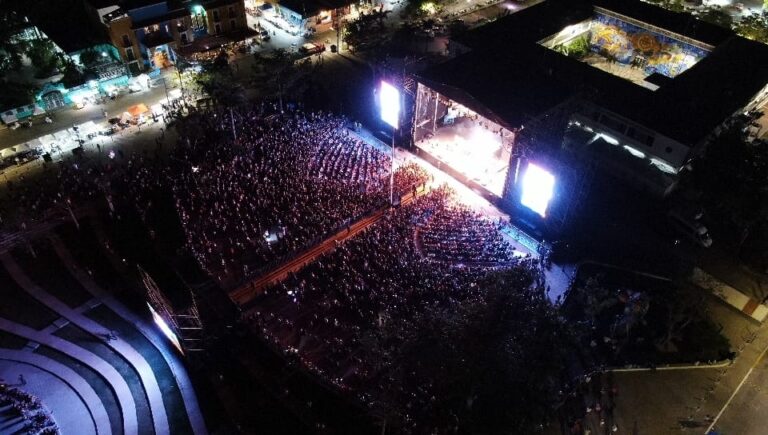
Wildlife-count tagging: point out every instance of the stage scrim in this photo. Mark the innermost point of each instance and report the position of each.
(462, 139)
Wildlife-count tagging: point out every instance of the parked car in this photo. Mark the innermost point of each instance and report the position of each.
(311, 48)
(690, 228)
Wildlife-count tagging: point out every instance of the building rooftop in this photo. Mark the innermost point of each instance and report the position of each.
(517, 78)
(310, 8)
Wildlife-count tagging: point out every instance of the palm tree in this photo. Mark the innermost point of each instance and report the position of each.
(279, 74)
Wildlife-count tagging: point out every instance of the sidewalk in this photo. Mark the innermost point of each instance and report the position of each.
(672, 400)
(113, 378)
(738, 300)
(67, 117)
(148, 331)
(147, 376)
(65, 394)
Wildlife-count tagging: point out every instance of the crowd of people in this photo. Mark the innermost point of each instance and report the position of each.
(459, 234)
(246, 198)
(274, 186)
(36, 418)
(323, 314)
(252, 189)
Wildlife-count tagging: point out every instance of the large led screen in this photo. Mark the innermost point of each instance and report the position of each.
(538, 187)
(389, 103)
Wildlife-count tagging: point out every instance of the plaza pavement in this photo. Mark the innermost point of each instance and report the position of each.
(147, 330)
(63, 392)
(110, 374)
(67, 117)
(686, 401)
(145, 372)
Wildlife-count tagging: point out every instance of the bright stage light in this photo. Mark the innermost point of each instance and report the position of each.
(485, 140)
(389, 103)
(165, 328)
(537, 189)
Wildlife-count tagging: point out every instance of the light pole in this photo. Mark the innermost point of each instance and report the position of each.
(390, 103)
(392, 172)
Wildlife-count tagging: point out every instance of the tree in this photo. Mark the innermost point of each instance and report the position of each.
(683, 306)
(11, 49)
(673, 5)
(43, 55)
(732, 177)
(717, 17)
(219, 84)
(368, 30)
(490, 366)
(279, 75)
(72, 75)
(14, 94)
(754, 26)
(89, 57)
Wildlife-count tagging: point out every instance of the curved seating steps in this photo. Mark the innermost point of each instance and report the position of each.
(166, 366)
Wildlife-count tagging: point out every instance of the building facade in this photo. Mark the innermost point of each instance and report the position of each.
(150, 34)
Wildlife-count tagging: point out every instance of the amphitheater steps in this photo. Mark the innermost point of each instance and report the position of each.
(159, 417)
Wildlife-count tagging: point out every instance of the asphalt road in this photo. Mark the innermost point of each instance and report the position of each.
(747, 411)
(67, 117)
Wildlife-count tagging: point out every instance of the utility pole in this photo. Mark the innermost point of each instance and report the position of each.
(339, 29)
(392, 172)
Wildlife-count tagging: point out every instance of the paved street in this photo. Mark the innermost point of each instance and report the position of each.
(747, 412)
(67, 117)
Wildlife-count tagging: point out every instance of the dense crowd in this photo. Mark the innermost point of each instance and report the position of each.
(459, 234)
(323, 314)
(247, 198)
(251, 190)
(281, 185)
(36, 418)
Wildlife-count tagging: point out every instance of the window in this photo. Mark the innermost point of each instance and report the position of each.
(126, 41)
(129, 54)
(231, 12)
(218, 28)
(232, 24)
(613, 124)
(216, 15)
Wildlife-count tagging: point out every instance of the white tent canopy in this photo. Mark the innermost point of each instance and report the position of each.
(87, 127)
(62, 135)
(35, 143)
(7, 152)
(47, 139)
